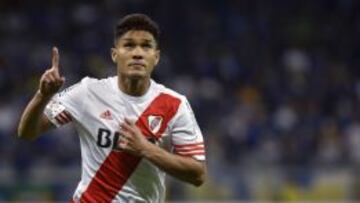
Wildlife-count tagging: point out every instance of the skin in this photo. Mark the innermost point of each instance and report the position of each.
(135, 54)
(33, 122)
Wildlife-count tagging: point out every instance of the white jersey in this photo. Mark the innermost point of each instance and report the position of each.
(97, 107)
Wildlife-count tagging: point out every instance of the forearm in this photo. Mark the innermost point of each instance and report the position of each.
(30, 123)
(184, 168)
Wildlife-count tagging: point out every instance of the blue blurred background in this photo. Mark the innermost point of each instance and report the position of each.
(275, 86)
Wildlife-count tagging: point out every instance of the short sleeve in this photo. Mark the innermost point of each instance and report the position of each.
(68, 102)
(186, 136)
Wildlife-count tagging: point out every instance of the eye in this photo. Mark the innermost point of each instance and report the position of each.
(147, 45)
(129, 45)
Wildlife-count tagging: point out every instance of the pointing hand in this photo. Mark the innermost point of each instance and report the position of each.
(51, 81)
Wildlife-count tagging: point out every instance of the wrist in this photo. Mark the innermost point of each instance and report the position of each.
(42, 97)
(147, 150)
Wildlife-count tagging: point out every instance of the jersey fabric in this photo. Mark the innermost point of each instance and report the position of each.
(97, 107)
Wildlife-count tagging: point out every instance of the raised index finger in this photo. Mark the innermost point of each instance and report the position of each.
(55, 57)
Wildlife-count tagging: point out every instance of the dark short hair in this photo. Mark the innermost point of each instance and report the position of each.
(137, 21)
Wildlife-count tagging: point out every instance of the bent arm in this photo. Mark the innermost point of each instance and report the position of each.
(33, 122)
(184, 168)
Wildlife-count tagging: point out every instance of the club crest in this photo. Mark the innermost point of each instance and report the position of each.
(154, 123)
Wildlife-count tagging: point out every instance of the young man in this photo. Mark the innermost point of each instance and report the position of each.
(132, 130)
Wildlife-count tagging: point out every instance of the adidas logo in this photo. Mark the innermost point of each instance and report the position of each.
(106, 115)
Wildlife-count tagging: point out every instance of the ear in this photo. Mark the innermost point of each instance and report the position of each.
(157, 55)
(113, 54)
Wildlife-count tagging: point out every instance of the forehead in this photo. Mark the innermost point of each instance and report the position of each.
(137, 35)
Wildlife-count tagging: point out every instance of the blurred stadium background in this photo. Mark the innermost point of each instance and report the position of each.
(275, 86)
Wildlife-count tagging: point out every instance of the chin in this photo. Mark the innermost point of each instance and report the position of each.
(137, 75)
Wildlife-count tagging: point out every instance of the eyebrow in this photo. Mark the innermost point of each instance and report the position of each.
(145, 40)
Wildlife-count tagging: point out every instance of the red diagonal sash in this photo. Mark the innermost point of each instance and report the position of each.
(118, 166)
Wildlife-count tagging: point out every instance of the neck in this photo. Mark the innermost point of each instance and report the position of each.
(134, 87)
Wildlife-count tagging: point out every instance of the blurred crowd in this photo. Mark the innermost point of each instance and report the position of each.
(275, 86)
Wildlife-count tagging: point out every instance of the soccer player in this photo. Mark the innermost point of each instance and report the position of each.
(132, 130)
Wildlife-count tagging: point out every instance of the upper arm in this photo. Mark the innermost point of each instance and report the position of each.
(65, 106)
(45, 124)
(186, 136)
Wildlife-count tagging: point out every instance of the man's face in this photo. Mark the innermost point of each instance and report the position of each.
(135, 54)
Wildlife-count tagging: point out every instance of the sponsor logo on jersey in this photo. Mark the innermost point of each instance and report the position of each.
(154, 123)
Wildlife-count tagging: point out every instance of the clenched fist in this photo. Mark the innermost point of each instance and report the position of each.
(51, 81)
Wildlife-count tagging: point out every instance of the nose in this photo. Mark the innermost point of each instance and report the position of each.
(137, 53)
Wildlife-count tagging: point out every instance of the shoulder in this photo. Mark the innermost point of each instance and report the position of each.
(90, 84)
(170, 92)
(89, 81)
(85, 84)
